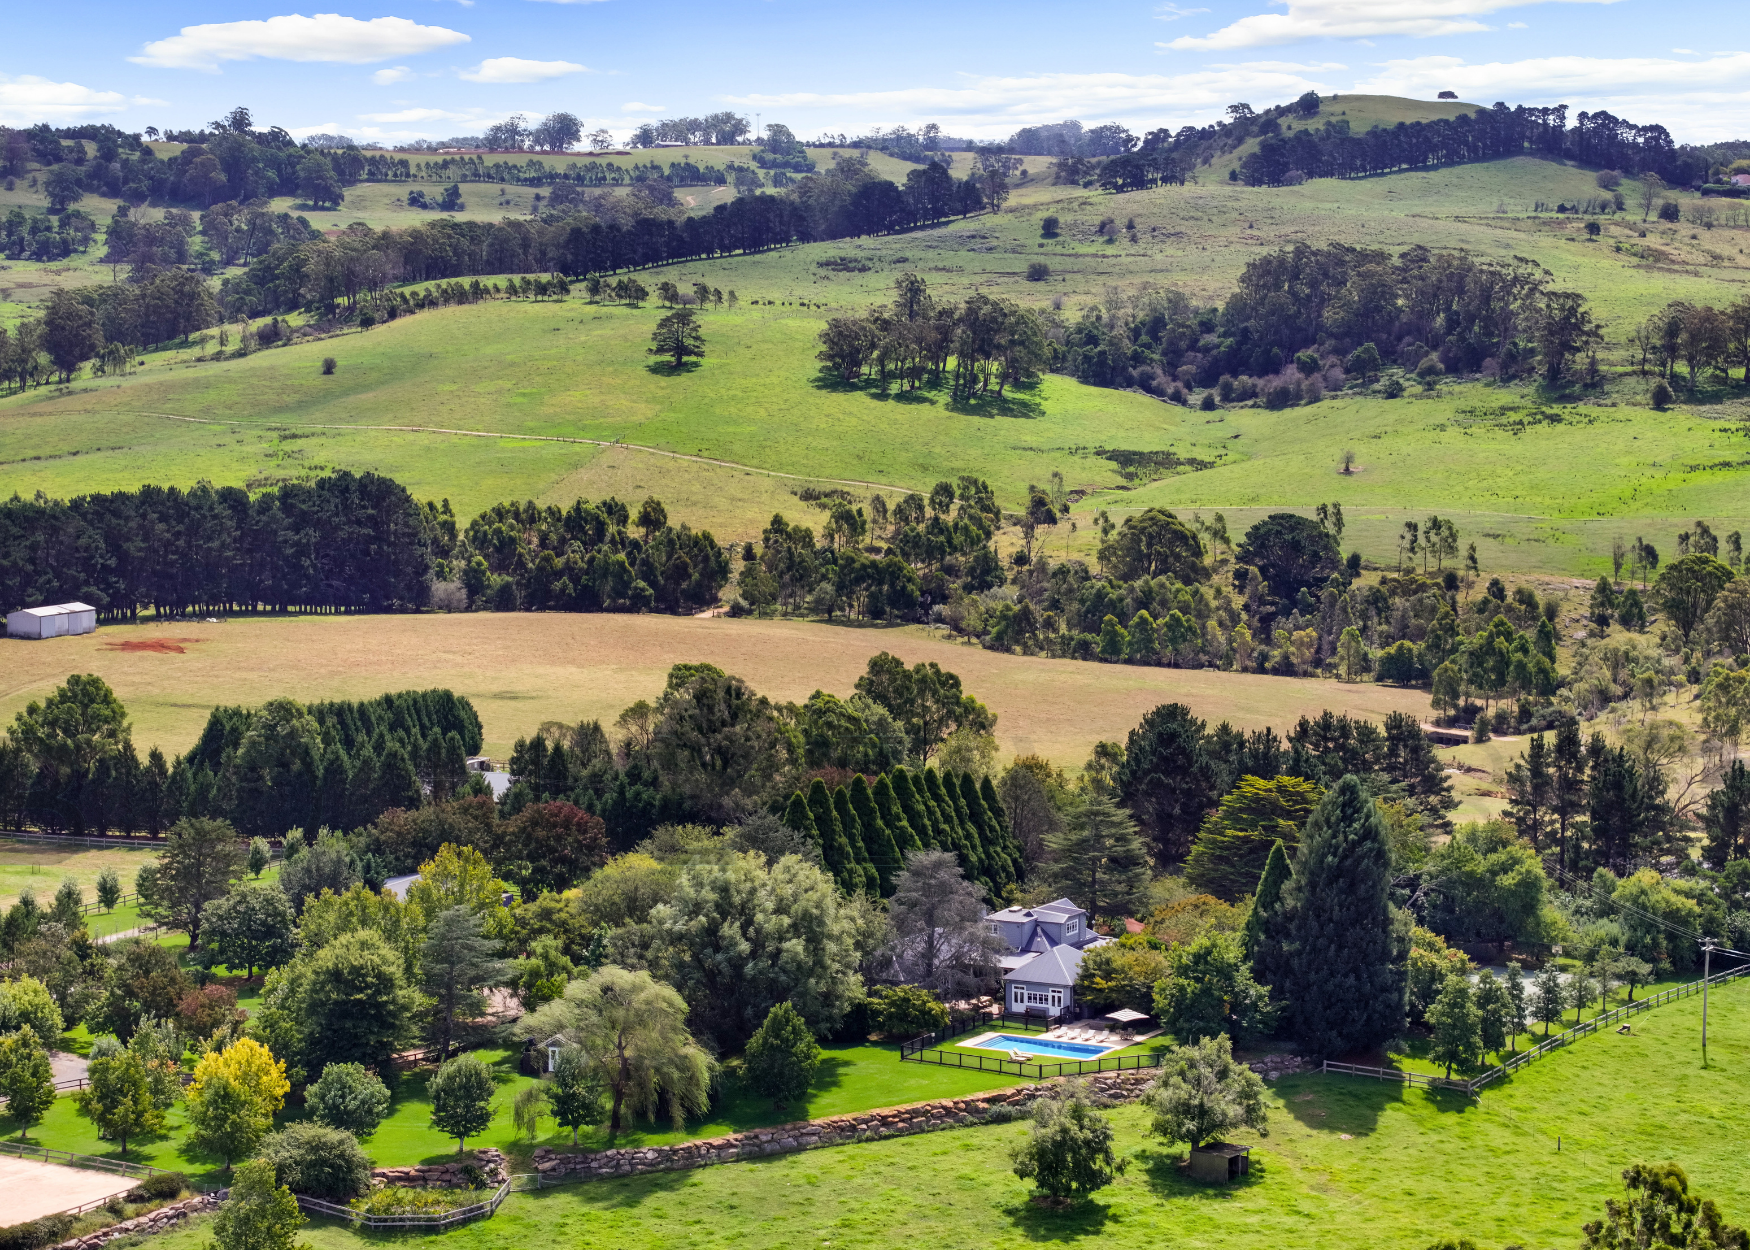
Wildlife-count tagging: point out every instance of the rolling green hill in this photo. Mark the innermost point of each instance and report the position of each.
(526, 374)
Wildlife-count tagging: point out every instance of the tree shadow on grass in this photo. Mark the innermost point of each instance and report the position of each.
(1015, 403)
(1331, 1103)
(666, 368)
(1037, 1222)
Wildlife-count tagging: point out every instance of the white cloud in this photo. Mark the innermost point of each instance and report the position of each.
(1172, 13)
(986, 107)
(395, 73)
(28, 98)
(634, 106)
(421, 115)
(1352, 19)
(1550, 77)
(294, 37)
(502, 69)
(1517, 26)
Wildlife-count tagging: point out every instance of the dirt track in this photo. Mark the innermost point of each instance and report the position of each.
(29, 1189)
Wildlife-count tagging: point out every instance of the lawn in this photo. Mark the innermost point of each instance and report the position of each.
(851, 1078)
(1348, 1163)
(522, 669)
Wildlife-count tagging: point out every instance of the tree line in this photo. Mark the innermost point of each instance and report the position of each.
(342, 542)
(346, 543)
(265, 770)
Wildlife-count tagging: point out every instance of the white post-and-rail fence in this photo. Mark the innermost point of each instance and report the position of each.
(1603, 1020)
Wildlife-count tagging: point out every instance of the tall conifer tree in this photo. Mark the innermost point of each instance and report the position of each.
(877, 841)
(1264, 923)
(798, 817)
(867, 878)
(1344, 967)
(911, 804)
(840, 861)
(899, 828)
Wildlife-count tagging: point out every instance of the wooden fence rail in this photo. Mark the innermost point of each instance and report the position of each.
(46, 1154)
(432, 1222)
(1603, 1020)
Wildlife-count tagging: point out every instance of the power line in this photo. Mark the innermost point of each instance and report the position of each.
(1579, 886)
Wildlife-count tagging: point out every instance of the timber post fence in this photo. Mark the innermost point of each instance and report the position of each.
(1474, 1086)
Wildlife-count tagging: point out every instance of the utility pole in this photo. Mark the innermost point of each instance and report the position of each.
(1707, 950)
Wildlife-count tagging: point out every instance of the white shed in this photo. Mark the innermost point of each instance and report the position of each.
(52, 621)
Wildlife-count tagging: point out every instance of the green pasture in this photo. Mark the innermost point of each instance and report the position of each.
(1347, 1163)
(40, 867)
(476, 404)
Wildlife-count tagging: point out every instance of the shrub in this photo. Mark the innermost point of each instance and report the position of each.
(1392, 387)
(1048, 227)
(328, 363)
(349, 1097)
(314, 1159)
(782, 1056)
(1208, 404)
(906, 1011)
(1608, 179)
(1038, 271)
(1069, 1154)
(1670, 210)
(1661, 395)
(163, 1186)
(33, 1234)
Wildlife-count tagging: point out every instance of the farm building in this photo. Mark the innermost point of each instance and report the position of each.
(52, 621)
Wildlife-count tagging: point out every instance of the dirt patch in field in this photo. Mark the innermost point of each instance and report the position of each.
(158, 646)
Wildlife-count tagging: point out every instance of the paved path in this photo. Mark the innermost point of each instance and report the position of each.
(29, 1189)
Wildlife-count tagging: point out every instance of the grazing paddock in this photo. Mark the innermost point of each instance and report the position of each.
(41, 866)
(523, 668)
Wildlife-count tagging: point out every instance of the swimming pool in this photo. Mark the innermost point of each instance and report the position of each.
(1041, 1046)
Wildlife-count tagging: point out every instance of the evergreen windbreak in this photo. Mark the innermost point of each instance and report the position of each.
(346, 542)
(864, 830)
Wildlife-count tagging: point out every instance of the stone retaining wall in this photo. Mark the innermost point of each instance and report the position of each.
(920, 1117)
(159, 1221)
(490, 1163)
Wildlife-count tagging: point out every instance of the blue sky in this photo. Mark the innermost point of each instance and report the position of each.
(404, 69)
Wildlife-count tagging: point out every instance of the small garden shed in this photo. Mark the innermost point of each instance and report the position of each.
(1220, 1162)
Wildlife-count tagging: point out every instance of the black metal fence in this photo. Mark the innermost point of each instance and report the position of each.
(927, 1049)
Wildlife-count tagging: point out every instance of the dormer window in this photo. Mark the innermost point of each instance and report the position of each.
(1071, 926)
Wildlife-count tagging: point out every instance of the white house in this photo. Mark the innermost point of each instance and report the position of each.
(1045, 954)
(52, 621)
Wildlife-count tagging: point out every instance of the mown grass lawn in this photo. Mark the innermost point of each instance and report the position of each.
(851, 1078)
(1348, 1163)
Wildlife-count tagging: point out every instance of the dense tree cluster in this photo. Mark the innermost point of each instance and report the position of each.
(587, 558)
(993, 342)
(1310, 319)
(343, 542)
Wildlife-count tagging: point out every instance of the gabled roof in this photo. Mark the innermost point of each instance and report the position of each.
(1056, 966)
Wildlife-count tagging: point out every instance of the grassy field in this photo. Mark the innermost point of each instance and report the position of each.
(524, 668)
(476, 404)
(487, 387)
(1348, 1163)
(41, 867)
